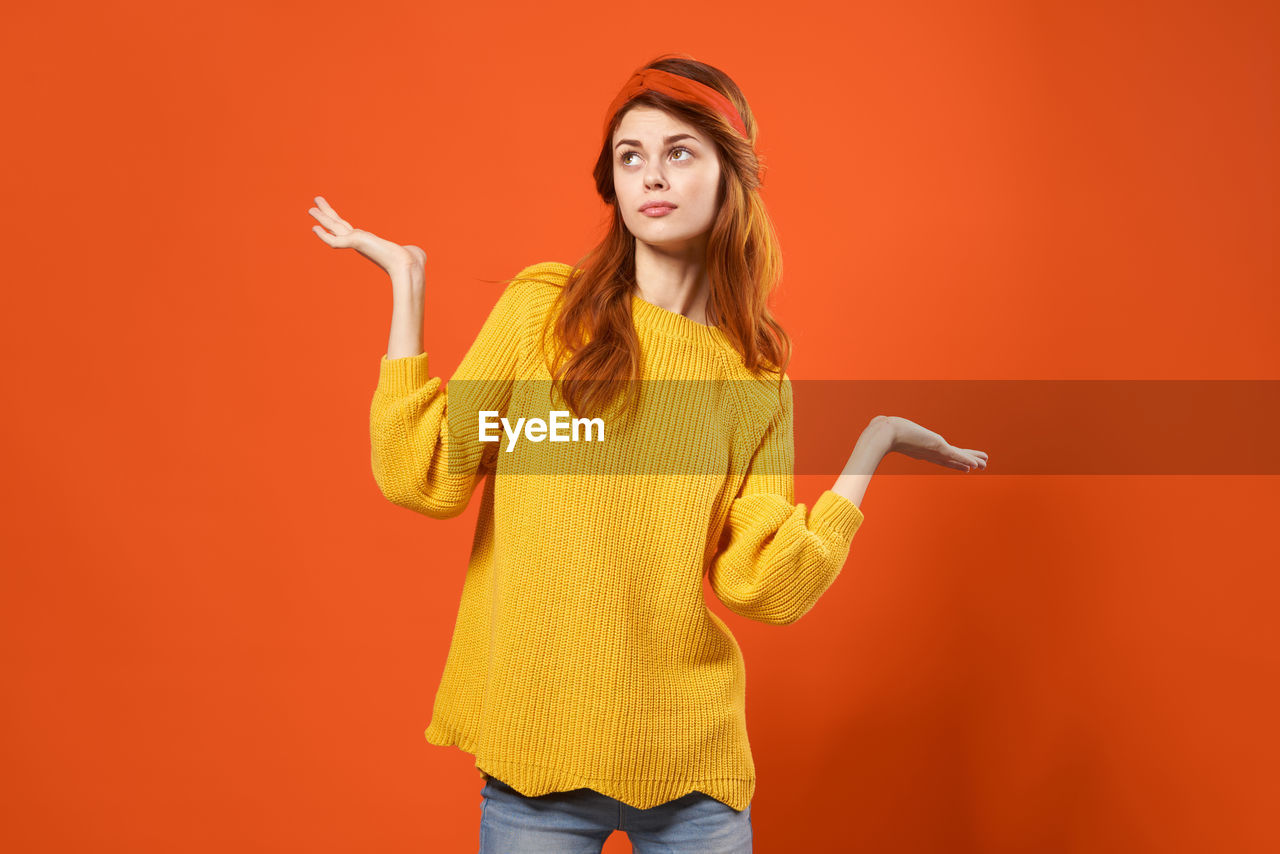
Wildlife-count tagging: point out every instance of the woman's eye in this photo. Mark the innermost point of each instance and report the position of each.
(632, 153)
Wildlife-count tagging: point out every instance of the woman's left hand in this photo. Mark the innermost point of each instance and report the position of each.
(923, 444)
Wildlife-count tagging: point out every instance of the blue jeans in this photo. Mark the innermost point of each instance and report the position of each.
(579, 821)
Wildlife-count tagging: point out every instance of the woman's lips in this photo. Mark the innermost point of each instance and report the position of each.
(658, 210)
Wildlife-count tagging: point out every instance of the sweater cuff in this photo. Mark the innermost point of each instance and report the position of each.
(403, 376)
(836, 516)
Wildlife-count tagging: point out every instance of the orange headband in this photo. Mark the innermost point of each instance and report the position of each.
(684, 88)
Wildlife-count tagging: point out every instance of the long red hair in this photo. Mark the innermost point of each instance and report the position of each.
(596, 343)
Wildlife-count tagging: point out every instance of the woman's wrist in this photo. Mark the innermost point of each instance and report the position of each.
(409, 283)
(408, 302)
(873, 445)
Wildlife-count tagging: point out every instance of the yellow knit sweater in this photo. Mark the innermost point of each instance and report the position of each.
(584, 654)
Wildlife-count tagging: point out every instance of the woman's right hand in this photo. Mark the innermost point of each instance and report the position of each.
(391, 257)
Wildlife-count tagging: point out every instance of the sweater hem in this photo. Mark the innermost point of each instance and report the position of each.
(532, 779)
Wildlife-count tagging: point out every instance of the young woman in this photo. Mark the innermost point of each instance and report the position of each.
(586, 674)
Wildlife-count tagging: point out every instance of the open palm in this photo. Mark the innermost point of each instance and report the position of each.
(921, 443)
(338, 233)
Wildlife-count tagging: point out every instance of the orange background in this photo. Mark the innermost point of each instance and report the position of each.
(219, 636)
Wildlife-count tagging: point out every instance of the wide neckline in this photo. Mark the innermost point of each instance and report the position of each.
(673, 323)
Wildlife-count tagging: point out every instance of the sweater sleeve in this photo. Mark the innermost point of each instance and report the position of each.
(776, 558)
(424, 435)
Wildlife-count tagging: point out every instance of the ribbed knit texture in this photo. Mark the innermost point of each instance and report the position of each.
(584, 654)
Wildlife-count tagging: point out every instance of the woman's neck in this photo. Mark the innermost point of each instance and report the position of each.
(676, 282)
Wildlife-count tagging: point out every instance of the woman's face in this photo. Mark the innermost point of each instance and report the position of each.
(660, 158)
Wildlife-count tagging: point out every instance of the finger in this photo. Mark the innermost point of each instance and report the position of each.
(324, 206)
(337, 241)
(337, 226)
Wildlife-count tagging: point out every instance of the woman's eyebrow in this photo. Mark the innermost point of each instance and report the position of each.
(666, 140)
